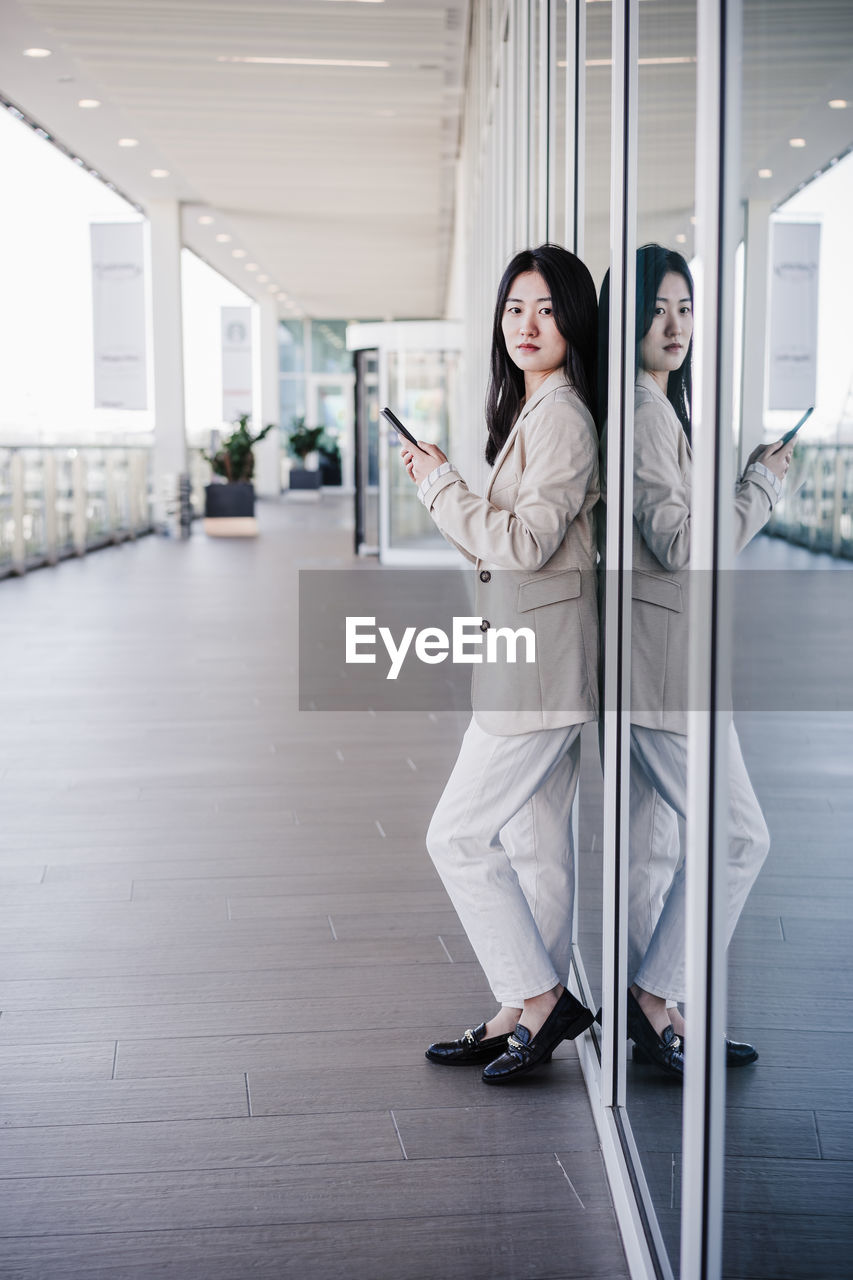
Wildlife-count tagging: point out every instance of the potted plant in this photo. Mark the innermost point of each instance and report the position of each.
(234, 461)
(303, 443)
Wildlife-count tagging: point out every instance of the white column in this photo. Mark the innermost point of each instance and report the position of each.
(755, 303)
(266, 400)
(170, 441)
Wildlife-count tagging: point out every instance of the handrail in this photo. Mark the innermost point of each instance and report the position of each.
(61, 500)
(818, 511)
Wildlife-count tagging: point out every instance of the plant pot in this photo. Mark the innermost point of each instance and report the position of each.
(302, 478)
(224, 501)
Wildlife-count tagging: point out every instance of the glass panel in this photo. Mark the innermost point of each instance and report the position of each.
(660, 587)
(789, 1116)
(6, 521)
(334, 411)
(292, 402)
(35, 532)
(596, 177)
(424, 386)
(64, 502)
(291, 346)
(534, 89)
(594, 206)
(557, 158)
(329, 347)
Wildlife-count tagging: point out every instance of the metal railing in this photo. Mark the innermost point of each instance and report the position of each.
(60, 500)
(818, 512)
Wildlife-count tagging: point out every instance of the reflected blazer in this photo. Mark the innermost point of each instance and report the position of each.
(663, 465)
(532, 541)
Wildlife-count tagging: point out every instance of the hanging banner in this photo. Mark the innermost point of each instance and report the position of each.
(236, 362)
(118, 315)
(793, 315)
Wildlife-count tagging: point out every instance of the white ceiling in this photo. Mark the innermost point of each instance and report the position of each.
(338, 181)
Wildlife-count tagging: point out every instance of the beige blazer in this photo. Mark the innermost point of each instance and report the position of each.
(532, 541)
(663, 465)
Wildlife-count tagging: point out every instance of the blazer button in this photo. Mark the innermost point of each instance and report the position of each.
(485, 576)
(484, 625)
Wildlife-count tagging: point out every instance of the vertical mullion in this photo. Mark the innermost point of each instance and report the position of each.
(620, 486)
(717, 119)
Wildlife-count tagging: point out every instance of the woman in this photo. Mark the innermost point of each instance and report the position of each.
(659, 649)
(501, 837)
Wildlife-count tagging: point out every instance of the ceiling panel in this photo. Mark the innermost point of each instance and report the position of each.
(339, 181)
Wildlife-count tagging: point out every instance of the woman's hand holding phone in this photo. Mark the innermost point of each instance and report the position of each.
(420, 460)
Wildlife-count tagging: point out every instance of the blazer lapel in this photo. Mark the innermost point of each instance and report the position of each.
(556, 379)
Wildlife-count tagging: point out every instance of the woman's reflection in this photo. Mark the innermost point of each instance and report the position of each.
(660, 640)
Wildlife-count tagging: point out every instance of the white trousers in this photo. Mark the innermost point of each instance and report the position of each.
(501, 840)
(656, 904)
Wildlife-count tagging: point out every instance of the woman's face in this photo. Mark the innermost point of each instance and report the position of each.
(665, 345)
(532, 338)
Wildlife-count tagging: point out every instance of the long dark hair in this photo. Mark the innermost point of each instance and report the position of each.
(653, 263)
(574, 307)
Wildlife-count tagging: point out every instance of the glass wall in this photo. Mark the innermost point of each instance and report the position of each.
(720, 1082)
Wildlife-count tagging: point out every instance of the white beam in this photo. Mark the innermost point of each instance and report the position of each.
(266, 400)
(170, 441)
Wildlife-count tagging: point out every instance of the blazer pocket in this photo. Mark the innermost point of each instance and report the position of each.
(538, 592)
(653, 590)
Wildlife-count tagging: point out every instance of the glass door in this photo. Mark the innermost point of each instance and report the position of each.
(414, 366)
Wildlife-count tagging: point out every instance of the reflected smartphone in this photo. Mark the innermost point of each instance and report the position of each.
(789, 435)
(398, 427)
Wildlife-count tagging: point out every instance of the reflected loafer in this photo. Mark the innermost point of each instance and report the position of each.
(664, 1050)
(737, 1055)
(470, 1047)
(524, 1052)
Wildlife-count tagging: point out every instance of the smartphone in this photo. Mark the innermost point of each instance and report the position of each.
(398, 427)
(789, 435)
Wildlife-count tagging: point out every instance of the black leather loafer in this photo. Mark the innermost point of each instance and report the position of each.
(737, 1055)
(566, 1020)
(470, 1047)
(665, 1050)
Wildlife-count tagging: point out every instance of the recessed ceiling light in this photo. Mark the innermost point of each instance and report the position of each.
(159, 173)
(693, 221)
(37, 53)
(308, 62)
(838, 104)
(128, 142)
(282, 297)
(205, 220)
(272, 288)
(238, 253)
(251, 266)
(765, 173)
(263, 279)
(796, 142)
(223, 237)
(681, 238)
(89, 104)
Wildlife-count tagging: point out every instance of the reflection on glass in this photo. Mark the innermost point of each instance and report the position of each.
(422, 387)
(789, 1127)
(662, 483)
(594, 203)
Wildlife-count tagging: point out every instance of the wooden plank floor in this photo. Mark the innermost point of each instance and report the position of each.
(224, 950)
